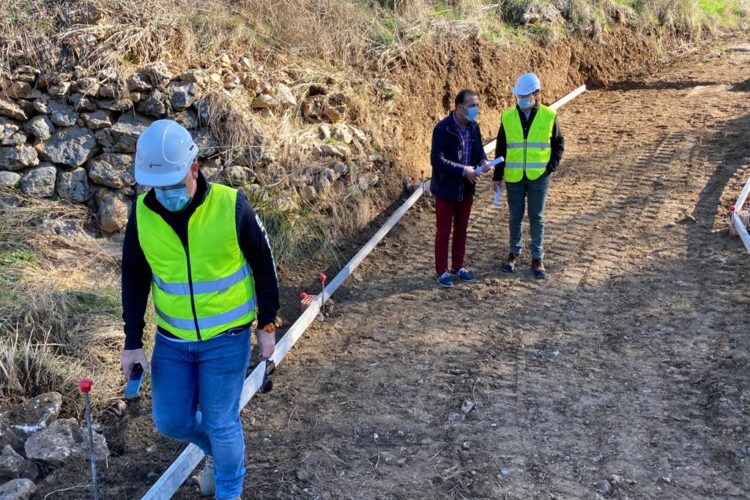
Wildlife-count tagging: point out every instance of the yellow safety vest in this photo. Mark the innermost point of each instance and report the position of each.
(205, 288)
(531, 154)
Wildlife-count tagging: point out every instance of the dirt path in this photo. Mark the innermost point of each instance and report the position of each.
(625, 374)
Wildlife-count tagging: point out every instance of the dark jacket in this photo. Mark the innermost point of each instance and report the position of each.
(448, 181)
(136, 272)
(557, 143)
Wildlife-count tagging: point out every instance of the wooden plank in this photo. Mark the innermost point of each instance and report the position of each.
(741, 231)
(184, 464)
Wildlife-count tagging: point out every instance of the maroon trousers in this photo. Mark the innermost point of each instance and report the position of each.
(451, 214)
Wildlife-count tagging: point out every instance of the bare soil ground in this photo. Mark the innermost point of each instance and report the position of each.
(626, 374)
(628, 365)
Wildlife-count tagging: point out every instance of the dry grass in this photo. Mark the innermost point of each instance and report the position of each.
(59, 304)
(349, 33)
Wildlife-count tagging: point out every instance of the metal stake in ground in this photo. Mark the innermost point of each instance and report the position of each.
(322, 279)
(85, 386)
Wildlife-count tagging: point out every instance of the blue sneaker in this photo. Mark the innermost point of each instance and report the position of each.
(464, 275)
(509, 264)
(445, 280)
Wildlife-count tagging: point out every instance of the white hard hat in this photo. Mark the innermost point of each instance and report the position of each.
(163, 154)
(528, 83)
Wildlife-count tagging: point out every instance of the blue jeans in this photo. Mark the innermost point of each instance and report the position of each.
(535, 193)
(210, 374)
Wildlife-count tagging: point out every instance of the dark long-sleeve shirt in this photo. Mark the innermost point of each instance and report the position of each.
(136, 272)
(557, 143)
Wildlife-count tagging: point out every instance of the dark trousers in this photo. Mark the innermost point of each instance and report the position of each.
(455, 215)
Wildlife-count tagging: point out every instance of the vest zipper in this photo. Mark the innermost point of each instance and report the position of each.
(192, 296)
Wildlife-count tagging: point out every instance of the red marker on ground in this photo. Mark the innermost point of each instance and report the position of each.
(322, 279)
(84, 385)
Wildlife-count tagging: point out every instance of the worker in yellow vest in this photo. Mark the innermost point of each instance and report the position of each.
(532, 144)
(204, 255)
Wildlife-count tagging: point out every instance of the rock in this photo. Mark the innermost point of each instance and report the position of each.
(25, 73)
(40, 126)
(74, 186)
(72, 146)
(18, 489)
(339, 99)
(18, 157)
(11, 464)
(334, 113)
(105, 140)
(63, 440)
(108, 75)
(340, 168)
(342, 134)
(10, 109)
(187, 119)
(359, 134)
(207, 145)
(87, 86)
(323, 185)
(154, 105)
(40, 181)
(62, 115)
(537, 12)
(182, 95)
(467, 406)
(366, 181)
(317, 89)
(263, 101)
(8, 128)
(454, 418)
(466, 445)
(111, 91)
(59, 89)
(16, 89)
(312, 109)
(113, 212)
(341, 152)
(19, 421)
(98, 119)
(117, 105)
(284, 96)
(112, 170)
(197, 76)
(230, 81)
(41, 105)
(126, 131)
(603, 486)
(238, 175)
(82, 103)
(137, 83)
(157, 74)
(16, 139)
(324, 131)
(309, 193)
(9, 179)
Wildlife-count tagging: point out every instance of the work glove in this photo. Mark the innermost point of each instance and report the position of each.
(129, 357)
(267, 341)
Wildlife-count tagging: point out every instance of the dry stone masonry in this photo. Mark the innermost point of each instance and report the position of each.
(73, 138)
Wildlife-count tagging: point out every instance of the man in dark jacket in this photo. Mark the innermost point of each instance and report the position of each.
(456, 152)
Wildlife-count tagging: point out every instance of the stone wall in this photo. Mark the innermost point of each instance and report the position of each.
(74, 138)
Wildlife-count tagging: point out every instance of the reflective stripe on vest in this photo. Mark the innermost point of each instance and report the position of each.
(528, 155)
(206, 287)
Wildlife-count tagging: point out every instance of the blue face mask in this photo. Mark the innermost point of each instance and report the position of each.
(525, 103)
(473, 113)
(173, 198)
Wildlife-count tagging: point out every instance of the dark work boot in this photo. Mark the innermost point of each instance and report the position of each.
(537, 266)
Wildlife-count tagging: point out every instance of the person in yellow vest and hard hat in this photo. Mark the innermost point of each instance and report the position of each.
(205, 256)
(532, 144)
